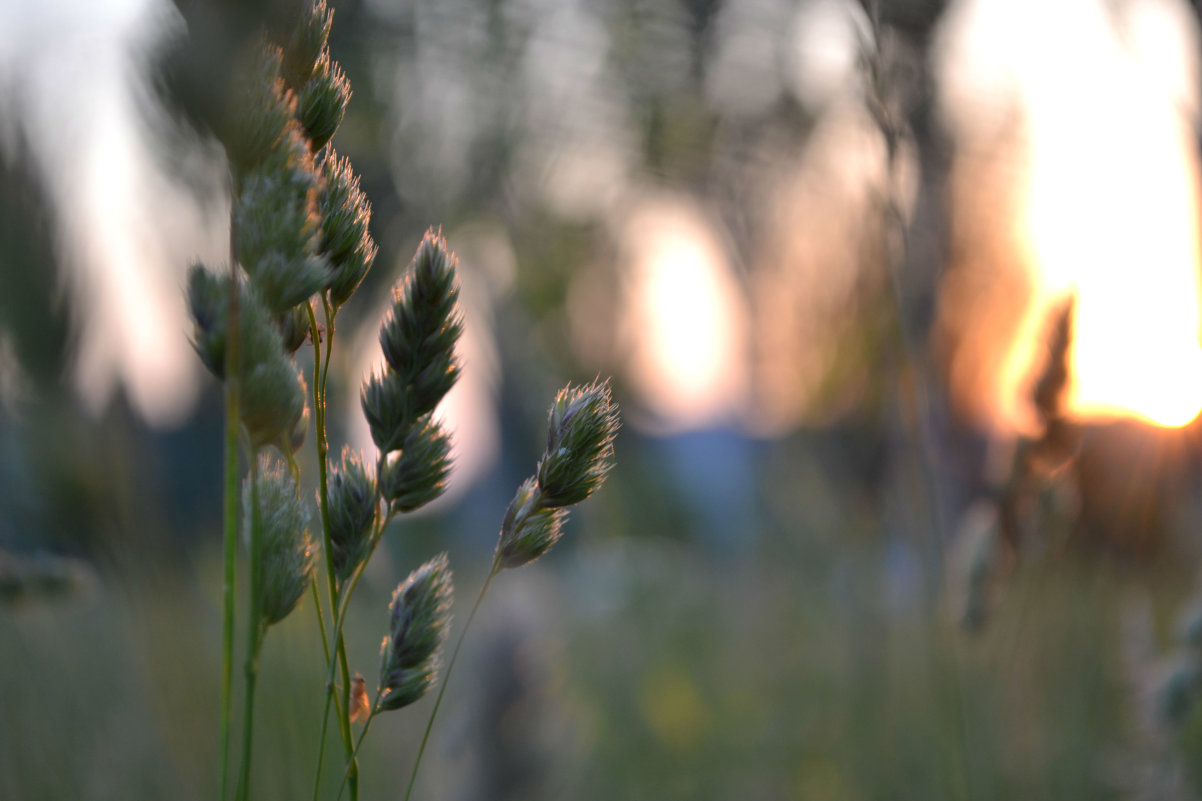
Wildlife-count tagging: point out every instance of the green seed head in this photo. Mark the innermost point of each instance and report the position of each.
(421, 328)
(322, 102)
(417, 475)
(418, 338)
(273, 400)
(307, 44)
(277, 232)
(345, 215)
(529, 528)
(272, 394)
(266, 110)
(388, 405)
(289, 555)
(293, 326)
(407, 685)
(208, 302)
(418, 619)
(352, 509)
(580, 433)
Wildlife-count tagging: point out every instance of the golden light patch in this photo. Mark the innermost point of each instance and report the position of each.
(360, 705)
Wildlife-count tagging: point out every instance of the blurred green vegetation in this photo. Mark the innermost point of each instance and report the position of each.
(662, 672)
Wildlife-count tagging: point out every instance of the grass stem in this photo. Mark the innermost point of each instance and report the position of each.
(229, 546)
(321, 370)
(325, 715)
(254, 632)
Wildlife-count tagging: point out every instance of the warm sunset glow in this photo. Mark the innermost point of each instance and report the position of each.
(1111, 213)
(1078, 177)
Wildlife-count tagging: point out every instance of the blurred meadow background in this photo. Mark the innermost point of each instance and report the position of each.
(901, 303)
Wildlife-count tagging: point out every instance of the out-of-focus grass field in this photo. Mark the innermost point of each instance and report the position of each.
(629, 667)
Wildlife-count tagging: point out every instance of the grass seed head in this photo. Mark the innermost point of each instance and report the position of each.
(529, 528)
(289, 554)
(580, 432)
(417, 475)
(345, 216)
(322, 102)
(388, 406)
(307, 44)
(353, 504)
(418, 620)
(421, 328)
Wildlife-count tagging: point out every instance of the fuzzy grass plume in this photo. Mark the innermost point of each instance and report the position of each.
(300, 246)
(579, 453)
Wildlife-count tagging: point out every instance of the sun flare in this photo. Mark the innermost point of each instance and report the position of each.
(1111, 218)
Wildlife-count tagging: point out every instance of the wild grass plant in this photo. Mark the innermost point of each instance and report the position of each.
(804, 671)
(300, 246)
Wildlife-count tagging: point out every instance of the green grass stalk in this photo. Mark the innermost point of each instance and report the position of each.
(323, 447)
(344, 724)
(331, 697)
(325, 715)
(229, 545)
(321, 370)
(254, 633)
(339, 614)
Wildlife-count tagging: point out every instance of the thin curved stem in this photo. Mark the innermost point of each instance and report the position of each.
(326, 541)
(330, 312)
(321, 622)
(446, 679)
(344, 710)
(339, 615)
(321, 368)
(340, 603)
(323, 447)
(229, 540)
(325, 716)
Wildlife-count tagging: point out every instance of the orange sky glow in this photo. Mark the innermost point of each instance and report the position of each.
(1112, 214)
(1107, 207)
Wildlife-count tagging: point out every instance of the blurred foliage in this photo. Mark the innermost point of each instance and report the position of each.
(64, 479)
(672, 676)
(36, 325)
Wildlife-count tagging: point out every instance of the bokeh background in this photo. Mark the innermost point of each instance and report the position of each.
(901, 303)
